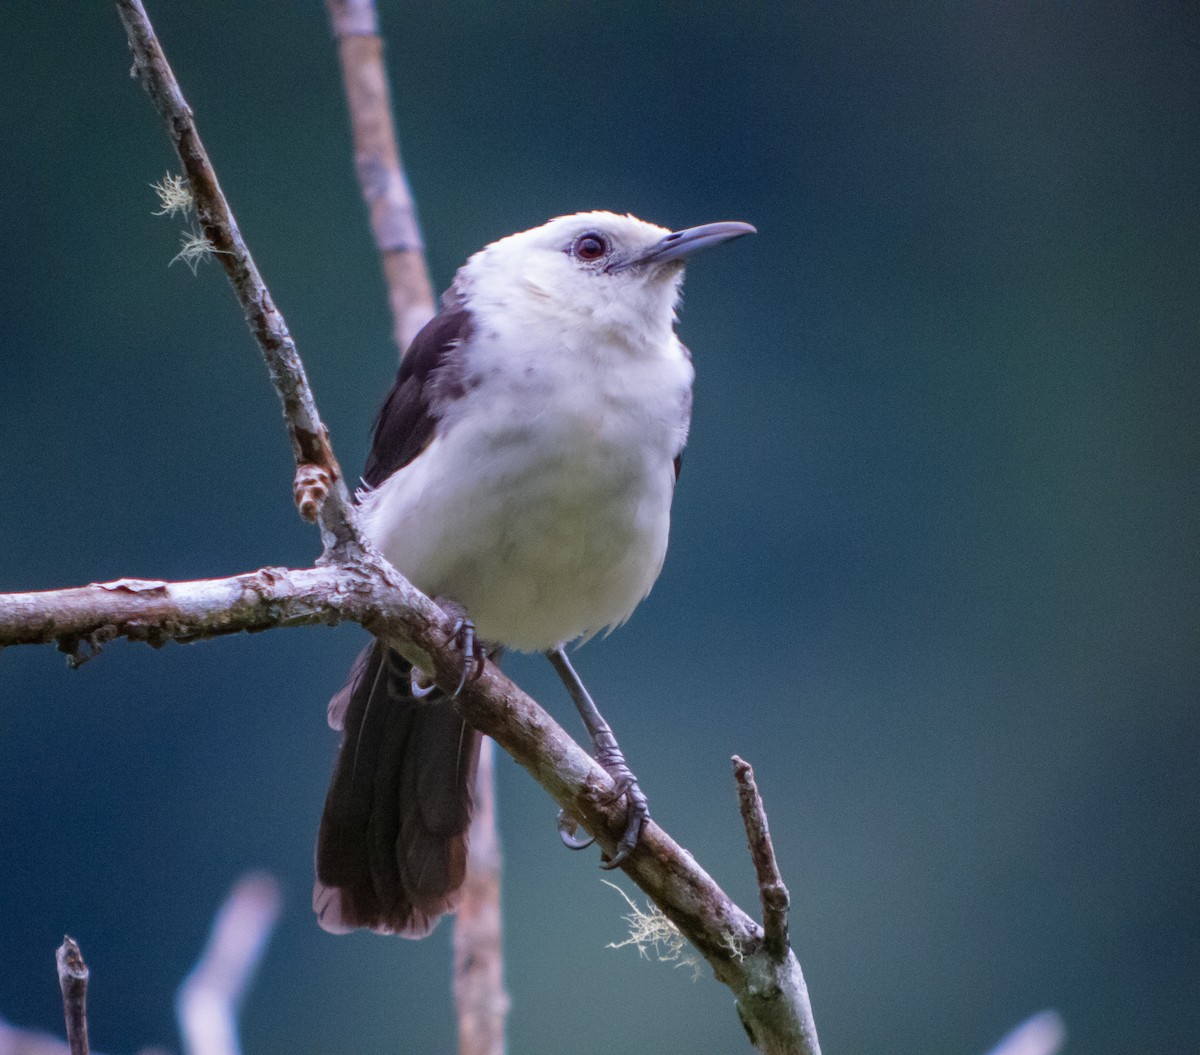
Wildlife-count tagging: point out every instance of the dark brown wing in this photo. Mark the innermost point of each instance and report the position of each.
(429, 377)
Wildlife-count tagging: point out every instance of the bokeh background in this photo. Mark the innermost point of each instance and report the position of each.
(934, 563)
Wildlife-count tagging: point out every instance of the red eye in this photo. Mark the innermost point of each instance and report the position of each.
(590, 246)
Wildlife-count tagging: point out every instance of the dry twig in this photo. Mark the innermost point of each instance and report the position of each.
(771, 890)
(73, 981)
(310, 439)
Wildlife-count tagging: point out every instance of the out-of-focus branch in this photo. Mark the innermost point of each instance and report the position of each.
(310, 439)
(480, 997)
(479, 992)
(208, 1001)
(377, 161)
(73, 981)
(1042, 1034)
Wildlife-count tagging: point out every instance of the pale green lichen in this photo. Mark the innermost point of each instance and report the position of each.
(651, 931)
(174, 196)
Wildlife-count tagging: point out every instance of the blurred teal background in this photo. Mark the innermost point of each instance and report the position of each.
(934, 563)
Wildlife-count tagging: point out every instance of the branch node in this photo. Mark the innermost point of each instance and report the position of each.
(772, 892)
(311, 488)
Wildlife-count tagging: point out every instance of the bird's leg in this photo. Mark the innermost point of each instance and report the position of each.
(609, 756)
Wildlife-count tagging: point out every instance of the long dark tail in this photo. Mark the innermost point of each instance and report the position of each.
(392, 849)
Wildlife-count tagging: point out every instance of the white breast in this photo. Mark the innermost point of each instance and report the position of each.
(543, 503)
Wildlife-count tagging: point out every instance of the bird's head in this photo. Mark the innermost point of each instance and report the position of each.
(593, 269)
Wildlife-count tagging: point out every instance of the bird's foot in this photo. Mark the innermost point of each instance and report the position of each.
(609, 757)
(637, 812)
(463, 636)
(637, 808)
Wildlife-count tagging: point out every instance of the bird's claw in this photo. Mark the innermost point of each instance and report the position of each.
(625, 786)
(608, 755)
(416, 684)
(637, 812)
(474, 652)
(567, 827)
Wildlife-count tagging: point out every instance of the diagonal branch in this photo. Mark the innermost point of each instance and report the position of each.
(770, 990)
(310, 438)
(209, 998)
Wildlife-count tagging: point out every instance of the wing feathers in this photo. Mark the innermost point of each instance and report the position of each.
(429, 377)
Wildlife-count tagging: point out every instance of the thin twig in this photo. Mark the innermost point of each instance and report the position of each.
(771, 890)
(73, 981)
(208, 1000)
(310, 439)
(381, 175)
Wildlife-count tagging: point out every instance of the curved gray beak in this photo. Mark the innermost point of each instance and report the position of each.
(679, 244)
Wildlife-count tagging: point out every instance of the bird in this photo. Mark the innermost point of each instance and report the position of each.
(521, 472)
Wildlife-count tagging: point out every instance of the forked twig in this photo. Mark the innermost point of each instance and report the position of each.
(771, 890)
(770, 992)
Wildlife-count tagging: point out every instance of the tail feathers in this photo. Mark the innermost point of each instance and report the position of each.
(392, 848)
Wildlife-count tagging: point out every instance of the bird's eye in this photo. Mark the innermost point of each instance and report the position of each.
(590, 246)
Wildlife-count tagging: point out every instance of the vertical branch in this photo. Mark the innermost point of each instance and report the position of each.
(73, 981)
(480, 996)
(380, 173)
(478, 964)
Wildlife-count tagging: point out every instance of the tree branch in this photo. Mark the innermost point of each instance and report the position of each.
(210, 996)
(771, 890)
(481, 1000)
(771, 992)
(310, 438)
(479, 994)
(381, 176)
